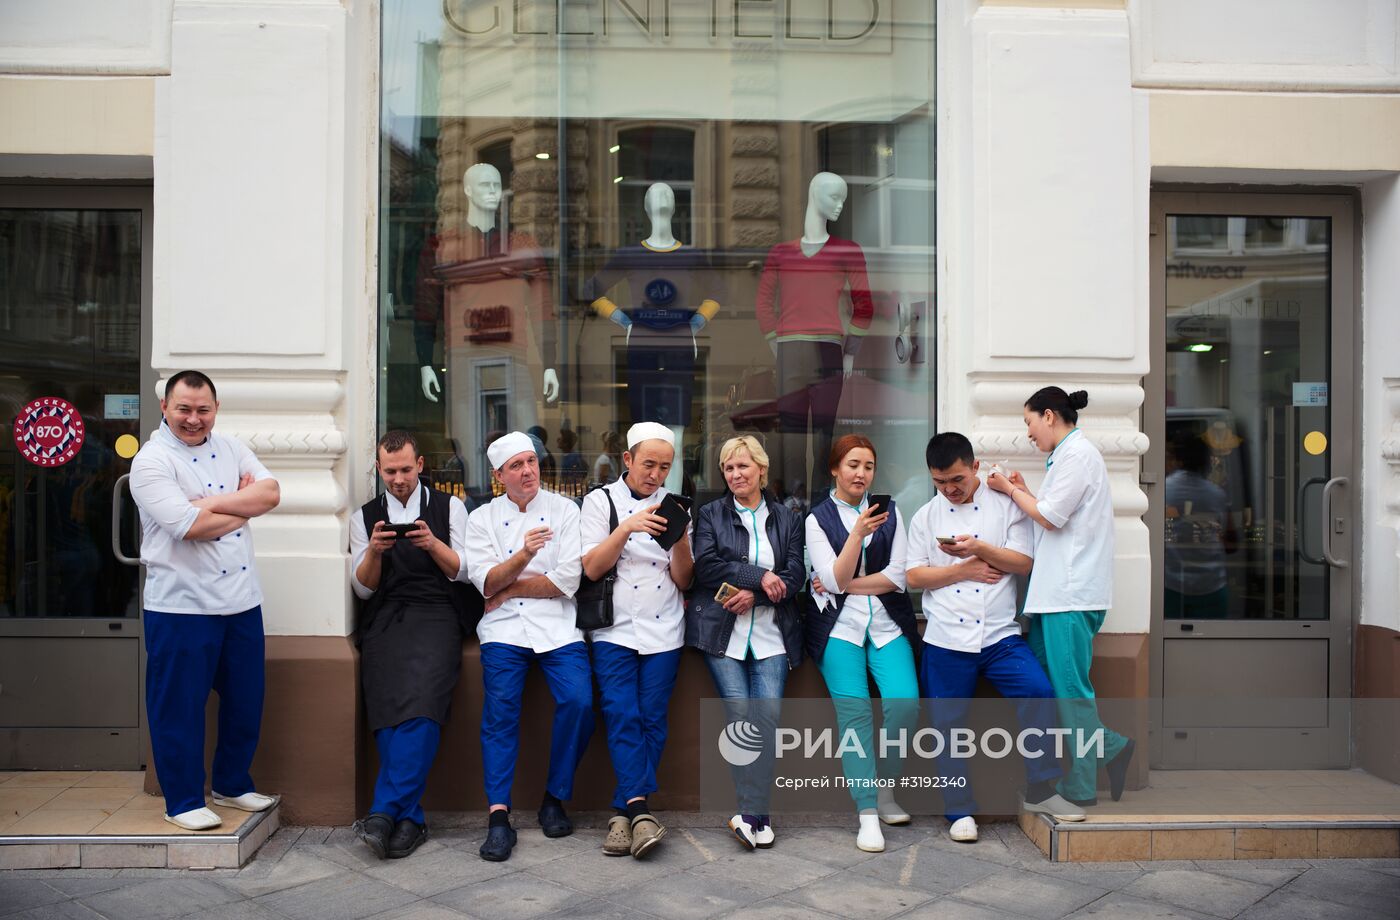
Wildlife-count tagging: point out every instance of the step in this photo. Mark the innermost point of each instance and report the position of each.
(1122, 838)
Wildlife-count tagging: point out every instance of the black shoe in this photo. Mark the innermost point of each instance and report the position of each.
(408, 836)
(1083, 803)
(1118, 770)
(500, 840)
(554, 821)
(374, 829)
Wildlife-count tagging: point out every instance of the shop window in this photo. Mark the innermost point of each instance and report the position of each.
(531, 282)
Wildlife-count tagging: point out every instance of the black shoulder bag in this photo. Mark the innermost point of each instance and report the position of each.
(595, 598)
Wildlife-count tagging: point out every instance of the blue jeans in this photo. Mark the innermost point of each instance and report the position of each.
(635, 691)
(187, 655)
(406, 754)
(752, 691)
(950, 678)
(503, 670)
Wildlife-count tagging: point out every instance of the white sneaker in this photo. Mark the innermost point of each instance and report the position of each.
(743, 831)
(196, 819)
(763, 837)
(889, 809)
(1056, 807)
(964, 830)
(248, 801)
(869, 838)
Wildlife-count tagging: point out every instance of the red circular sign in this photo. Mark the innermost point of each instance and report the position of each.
(49, 431)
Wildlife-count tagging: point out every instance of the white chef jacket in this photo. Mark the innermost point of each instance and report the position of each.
(1074, 564)
(495, 532)
(648, 608)
(756, 630)
(400, 513)
(969, 616)
(861, 615)
(216, 576)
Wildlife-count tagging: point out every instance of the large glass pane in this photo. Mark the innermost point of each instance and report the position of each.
(70, 324)
(565, 186)
(1247, 417)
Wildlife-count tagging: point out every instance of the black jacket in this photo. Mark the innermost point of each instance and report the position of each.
(721, 545)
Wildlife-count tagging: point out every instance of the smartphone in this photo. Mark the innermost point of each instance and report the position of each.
(879, 504)
(725, 592)
(676, 521)
(945, 541)
(400, 530)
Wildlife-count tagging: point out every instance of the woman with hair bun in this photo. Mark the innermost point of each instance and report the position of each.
(1071, 585)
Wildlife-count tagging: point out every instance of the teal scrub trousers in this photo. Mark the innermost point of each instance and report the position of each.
(844, 668)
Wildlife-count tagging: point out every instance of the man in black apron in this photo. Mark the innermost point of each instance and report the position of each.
(414, 615)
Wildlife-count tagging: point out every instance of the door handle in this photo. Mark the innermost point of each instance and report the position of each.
(1332, 560)
(117, 522)
(1302, 529)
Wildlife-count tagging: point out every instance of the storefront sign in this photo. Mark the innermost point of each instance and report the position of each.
(121, 405)
(1310, 394)
(488, 324)
(49, 431)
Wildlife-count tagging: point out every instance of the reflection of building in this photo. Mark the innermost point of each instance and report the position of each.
(297, 205)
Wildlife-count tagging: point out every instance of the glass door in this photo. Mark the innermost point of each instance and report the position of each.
(74, 382)
(1251, 479)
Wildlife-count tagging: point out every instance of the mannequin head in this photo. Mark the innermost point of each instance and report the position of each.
(826, 195)
(482, 186)
(660, 201)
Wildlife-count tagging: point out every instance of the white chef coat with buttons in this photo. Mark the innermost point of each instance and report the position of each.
(495, 532)
(756, 631)
(1073, 564)
(861, 616)
(215, 576)
(401, 513)
(968, 616)
(648, 608)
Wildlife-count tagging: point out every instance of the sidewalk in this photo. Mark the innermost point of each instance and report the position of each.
(699, 872)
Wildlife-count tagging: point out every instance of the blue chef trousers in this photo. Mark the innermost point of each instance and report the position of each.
(503, 669)
(949, 680)
(636, 695)
(187, 655)
(406, 753)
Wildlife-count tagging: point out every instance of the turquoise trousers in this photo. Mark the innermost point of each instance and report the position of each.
(845, 668)
(1064, 643)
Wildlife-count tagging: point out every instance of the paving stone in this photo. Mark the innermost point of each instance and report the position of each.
(432, 871)
(159, 899)
(1259, 875)
(64, 910)
(423, 910)
(766, 871)
(1109, 876)
(847, 894)
(1203, 892)
(687, 896)
(238, 910)
(1358, 888)
(599, 875)
(1285, 905)
(517, 896)
(831, 846)
(342, 897)
(950, 909)
(296, 868)
(1029, 894)
(929, 868)
(598, 909)
(1120, 906)
(777, 909)
(75, 887)
(25, 893)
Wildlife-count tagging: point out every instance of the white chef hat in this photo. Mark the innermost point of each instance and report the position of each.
(646, 431)
(507, 446)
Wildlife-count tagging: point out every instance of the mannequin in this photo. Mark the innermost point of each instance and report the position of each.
(482, 186)
(799, 310)
(665, 280)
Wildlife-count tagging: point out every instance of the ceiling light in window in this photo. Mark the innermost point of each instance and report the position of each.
(1199, 347)
(541, 156)
(617, 180)
(614, 148)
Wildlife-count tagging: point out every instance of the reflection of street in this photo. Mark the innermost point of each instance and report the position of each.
(1198, 533)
